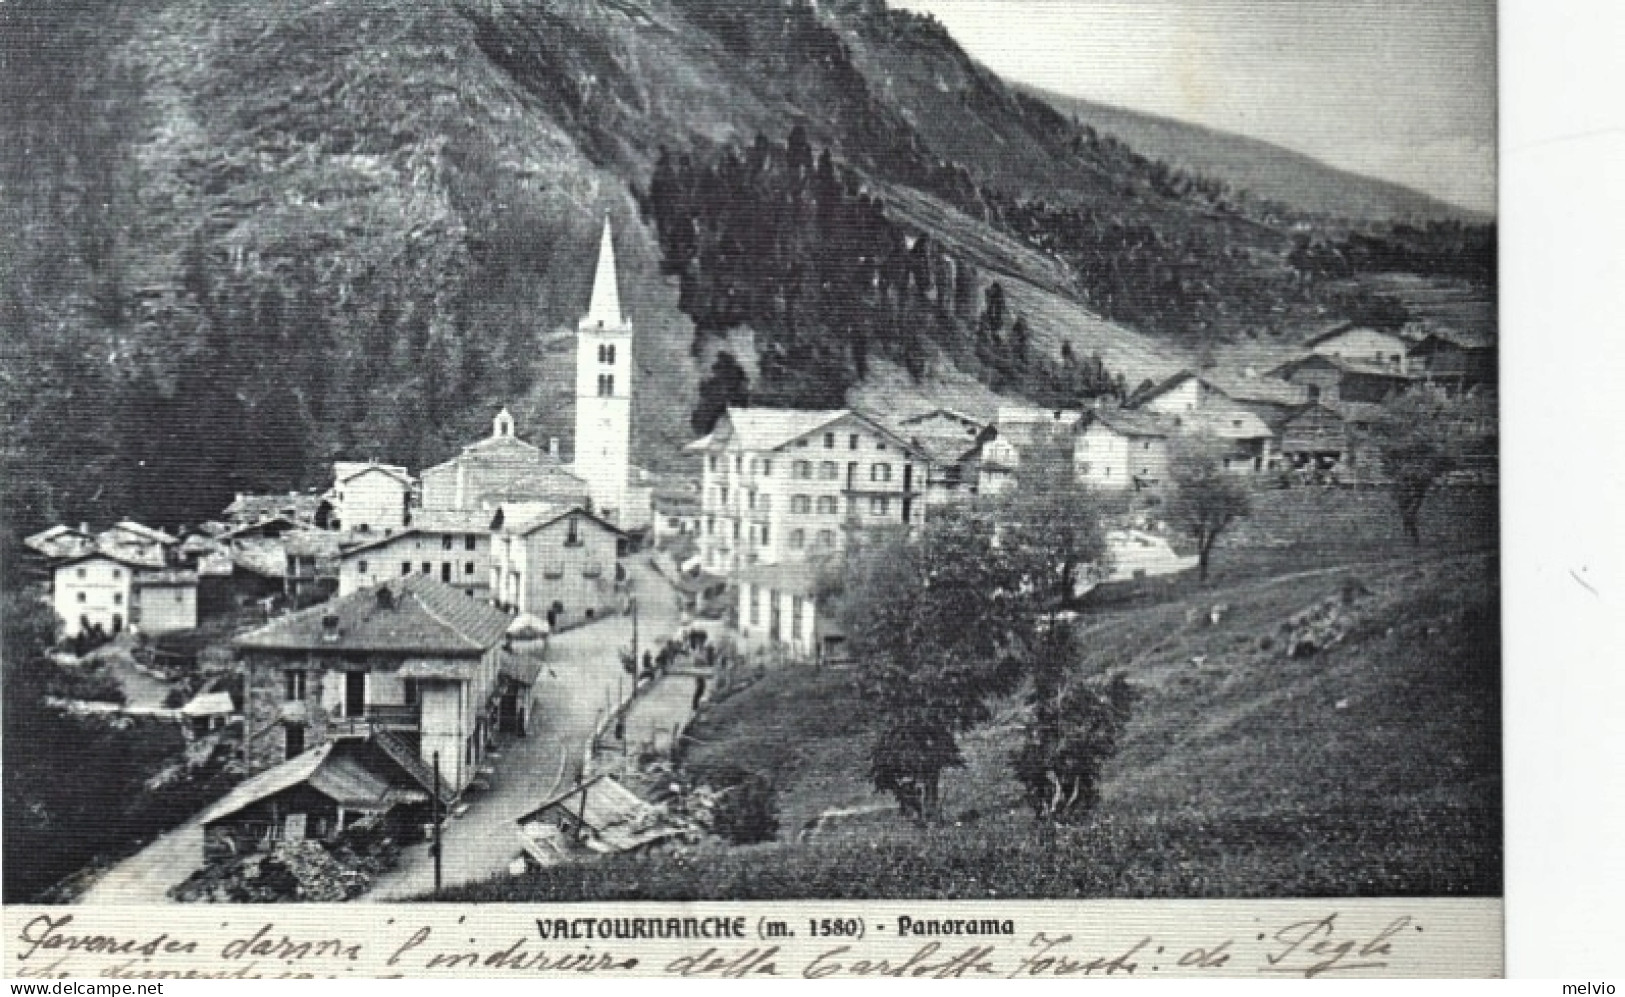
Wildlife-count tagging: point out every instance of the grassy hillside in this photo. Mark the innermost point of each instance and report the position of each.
(1264, 170)
(1370, 769)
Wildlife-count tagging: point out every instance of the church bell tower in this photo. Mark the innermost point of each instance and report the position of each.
(604, 389)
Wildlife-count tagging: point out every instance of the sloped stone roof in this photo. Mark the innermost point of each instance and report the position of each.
(419, 616)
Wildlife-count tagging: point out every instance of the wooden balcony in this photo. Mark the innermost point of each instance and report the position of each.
(377, 717)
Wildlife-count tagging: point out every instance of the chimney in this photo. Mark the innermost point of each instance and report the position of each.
(330, 628)
(553, 446)
(84, 528)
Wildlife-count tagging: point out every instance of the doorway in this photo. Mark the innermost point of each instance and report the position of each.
(355, 694)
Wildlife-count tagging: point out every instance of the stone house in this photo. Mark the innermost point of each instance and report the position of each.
(1116, 449)
(411, 657)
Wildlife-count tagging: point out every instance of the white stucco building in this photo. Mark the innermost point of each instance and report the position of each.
(113, 592)
(553, 559)
(453, 545)
(369, 497)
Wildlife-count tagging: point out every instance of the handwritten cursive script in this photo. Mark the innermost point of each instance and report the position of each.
(1312, 948)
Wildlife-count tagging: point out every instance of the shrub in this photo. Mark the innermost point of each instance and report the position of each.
(747, 807)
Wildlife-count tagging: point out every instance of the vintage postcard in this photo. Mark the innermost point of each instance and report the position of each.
(695, 488)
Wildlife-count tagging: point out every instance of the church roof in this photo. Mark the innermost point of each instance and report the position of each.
(604, 312)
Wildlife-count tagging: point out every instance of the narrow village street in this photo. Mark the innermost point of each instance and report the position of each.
(582, 679)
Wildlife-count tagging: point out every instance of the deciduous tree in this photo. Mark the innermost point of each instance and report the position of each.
(1420, 436)
(1206, 499)
(1073, 729)
(940, 626)
(1050, 522)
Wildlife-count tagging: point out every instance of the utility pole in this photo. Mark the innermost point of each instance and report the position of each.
(438, 820)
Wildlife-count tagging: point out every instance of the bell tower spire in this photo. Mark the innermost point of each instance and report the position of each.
(605, 309)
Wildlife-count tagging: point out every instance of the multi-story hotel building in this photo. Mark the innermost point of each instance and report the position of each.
(781, 485)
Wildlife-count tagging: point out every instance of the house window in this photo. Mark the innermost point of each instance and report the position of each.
(180, 597)
(801, 442)
(795, 616)
(470, 541)
(829, 441)
(803, 469)
(710, 526)
(736, 530)
(409, 691)
(879, 506)
(468, 568)
(81, 572)
(361, 567)
(293, 685)
(711, 462)
(116, 573)
(767, 468)
(764, 533)
(118, 598)
(829, 471)
(755, 605)
(739, 463)
(572, 536)
(880, 472)
(852, 442)
(826, 505)
(722, 494)
(81, 597)
(800, 504)
(446, 542)
(406, 567)
(826, 538)
(798, 539)
(750, 500)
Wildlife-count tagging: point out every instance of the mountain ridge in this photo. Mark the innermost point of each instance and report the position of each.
(1265, 169)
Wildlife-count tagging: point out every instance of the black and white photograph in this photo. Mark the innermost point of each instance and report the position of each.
(595, 451)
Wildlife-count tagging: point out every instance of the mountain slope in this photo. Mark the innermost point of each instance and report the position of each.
(263, 236)
(1263, 169)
